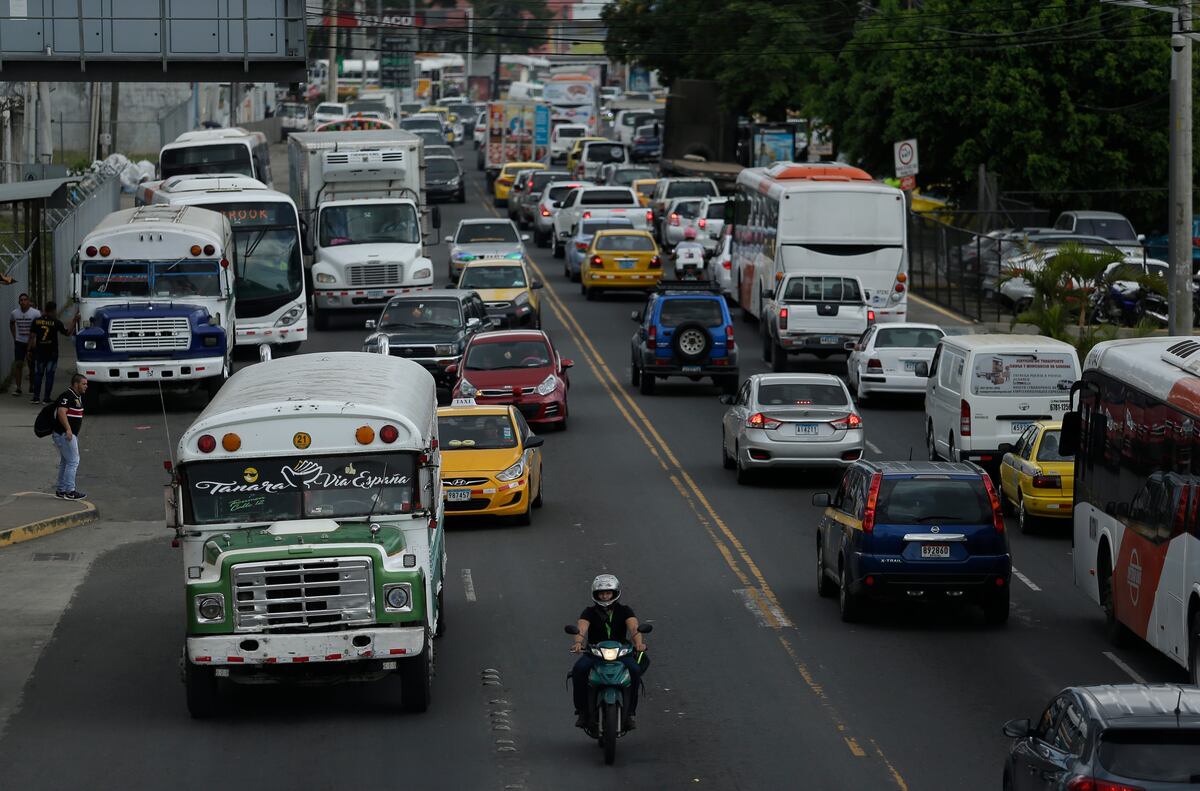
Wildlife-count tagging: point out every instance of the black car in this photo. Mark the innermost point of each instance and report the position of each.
(444, 180)
(1131, 737)
(429, 327)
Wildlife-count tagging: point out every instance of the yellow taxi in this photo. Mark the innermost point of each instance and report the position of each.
(620, 259)
(508, 289)
(502, 186)
(644, 189)
(577, 151)
(491, 461)
(1036, 480)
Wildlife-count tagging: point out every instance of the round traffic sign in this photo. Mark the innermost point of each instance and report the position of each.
(906, 153)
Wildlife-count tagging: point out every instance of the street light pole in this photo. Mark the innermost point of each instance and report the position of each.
(1179, 239)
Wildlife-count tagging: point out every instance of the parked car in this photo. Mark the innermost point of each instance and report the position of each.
(1126, 737)
(518, 367)
(548, 204)
(577, 246)
(431, 328)
(484, 238)
(1156, 245)
(1037, 481)
(1106, 224)
(876, 538)
(790, 420)
(1015, 290)
(684, 330)
(444, 179)
(886, 358)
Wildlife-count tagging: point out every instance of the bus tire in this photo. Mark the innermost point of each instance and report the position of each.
(1115, 631)
(1194, 649)
(416, 680)
(320, 317)
(203, 692)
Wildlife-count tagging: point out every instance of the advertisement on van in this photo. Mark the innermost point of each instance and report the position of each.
(1022, 374)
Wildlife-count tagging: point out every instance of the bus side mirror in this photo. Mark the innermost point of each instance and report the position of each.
(170, 511)
(1068, 437)
(436, 214)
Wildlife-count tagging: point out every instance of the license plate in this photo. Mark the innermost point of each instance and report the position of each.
(829, 340)
(375, 293)
(625, 263)
(1020, 425)
(911, 365)
(806, 429)
(935, 550)
(458, 495)
(691, 369)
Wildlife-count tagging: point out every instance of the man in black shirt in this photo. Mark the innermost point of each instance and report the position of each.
(607, 619)
(43, 349)
(68, 420)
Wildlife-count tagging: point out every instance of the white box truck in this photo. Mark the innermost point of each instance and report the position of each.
(362, 196)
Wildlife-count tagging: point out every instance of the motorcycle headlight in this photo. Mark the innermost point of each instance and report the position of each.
(398, 597)
(547, 385)
(322, 277)
(467, 390)
(513, 472)
(609, 654)
(444, 349)
(210, 607)
(291, 317)
(89, 345)
(422, 273)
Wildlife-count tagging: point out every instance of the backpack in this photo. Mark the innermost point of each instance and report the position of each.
(43, 424)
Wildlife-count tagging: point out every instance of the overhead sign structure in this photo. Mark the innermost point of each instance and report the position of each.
(906, 158)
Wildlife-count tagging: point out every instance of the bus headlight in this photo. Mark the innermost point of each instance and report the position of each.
(398, 598)
(291, 317)
(210, 607)
(89, 345)
(323, 277)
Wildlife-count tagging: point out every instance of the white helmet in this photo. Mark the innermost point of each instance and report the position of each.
(606, 582)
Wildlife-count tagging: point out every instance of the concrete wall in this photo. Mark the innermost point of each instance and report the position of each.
(141, 105)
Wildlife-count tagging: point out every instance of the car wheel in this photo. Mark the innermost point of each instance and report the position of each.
(525, 519)
(779, 358)
(537, 501)
(952, 451)
(635, 374)
(1025, 521)
(646, 385)
(859, 395)
(766, 348)
(1114, 630)
(726, 462)
(589, 294)
(849, 602)
(825, 586)
(996, 607)
(1194, 650)
(559, 250)
(930, 445)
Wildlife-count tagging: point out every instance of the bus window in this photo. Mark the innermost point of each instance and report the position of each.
(223, 158)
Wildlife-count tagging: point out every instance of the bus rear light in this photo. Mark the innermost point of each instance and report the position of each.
(964, 420)
(197, 249)
(899, 288)
(365, 435)
(209, 249)
(90, 252)
(224, 263)
(207, 443)
(105, 251)
(389, 434)
(901, 278)
(231, 442)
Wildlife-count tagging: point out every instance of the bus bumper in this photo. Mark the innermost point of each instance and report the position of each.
(356, 299)
(257, 335)
(352, 645)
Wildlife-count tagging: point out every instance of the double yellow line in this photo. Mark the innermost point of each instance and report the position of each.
(723, 538)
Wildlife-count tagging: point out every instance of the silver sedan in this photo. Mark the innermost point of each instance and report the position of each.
(790, 420)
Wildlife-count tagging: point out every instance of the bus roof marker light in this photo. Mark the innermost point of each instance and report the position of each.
(365, 435)
(231, 442)
(209, 249)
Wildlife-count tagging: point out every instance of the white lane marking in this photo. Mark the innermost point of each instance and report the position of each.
(468, 584)
(1026, 580)
(874, 448)
(1129, 671)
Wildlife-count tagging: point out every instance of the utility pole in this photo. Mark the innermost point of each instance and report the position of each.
(114, 108)
(331, 88)
(1180, 230)
(470, 48)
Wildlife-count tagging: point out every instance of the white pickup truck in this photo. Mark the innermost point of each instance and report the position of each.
(817, 313)
(588, 203)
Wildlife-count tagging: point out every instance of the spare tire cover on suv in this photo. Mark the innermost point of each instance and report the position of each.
(691, 341)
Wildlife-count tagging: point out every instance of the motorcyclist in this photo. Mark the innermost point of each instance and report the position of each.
(607, 619)
(689, 243)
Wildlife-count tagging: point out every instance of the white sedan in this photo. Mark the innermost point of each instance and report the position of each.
(885, 358)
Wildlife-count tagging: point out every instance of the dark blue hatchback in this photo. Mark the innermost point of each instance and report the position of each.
(914, 531)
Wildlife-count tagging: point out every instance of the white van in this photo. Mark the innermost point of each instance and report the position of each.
(985, 390)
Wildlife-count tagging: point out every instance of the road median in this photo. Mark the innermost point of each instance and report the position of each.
(25, 516)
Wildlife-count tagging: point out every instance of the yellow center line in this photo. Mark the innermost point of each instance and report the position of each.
(731, 548)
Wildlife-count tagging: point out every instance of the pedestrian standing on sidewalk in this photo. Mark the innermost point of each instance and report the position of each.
(18, 325)
(68, 420)
(43, 350)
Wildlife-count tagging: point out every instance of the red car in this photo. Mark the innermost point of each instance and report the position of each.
(518, 367)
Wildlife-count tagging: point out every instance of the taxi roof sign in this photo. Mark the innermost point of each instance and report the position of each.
(463, 402)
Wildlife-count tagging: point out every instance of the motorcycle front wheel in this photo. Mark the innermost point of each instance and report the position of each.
(610, 724)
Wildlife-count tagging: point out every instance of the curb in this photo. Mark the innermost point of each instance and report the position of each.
(44, 527)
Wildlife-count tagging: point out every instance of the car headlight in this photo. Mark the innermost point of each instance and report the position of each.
(210, 607)
(322, 277)
(89, 345)
(515, 256)
(466, 389)
(291, 317)
(609, 654)
(452, 182)
(513, 472)
(445, 349)
(398, 597)
(547, 386)
(422, 273)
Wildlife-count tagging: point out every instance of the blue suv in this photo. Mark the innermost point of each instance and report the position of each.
(914, 531)
(684, 330)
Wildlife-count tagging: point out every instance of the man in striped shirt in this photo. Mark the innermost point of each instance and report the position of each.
(68, 420)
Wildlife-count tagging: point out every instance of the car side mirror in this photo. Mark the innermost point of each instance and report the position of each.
(571, 629)
(567, 363)
(635, 315)
(473, 322)
(851, 346)
(370, 324)
(922, 369)
(534, 441)
(525, 237)
(821, 499)
(452, 368)
(1141, 237)
(537, 284)
(448, 239)
(1016, 729)
(727, 399)
(645, 628)
(768, 294)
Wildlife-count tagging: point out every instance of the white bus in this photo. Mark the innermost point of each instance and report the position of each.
(232, 150)
(271, 295)
(820, 217)
(573, 99)
(1136, 439)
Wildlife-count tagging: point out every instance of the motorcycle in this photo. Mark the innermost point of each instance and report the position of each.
(1125, 302)
(609, 685)
(689, 261)
(1156, 307)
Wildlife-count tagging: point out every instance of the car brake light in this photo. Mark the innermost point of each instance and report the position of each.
(964, 419)
(874, 364)
(652, 333)
(587, 215)
(597, 261)
(783, 314)
(870, 317)
(656, 263)
(727, 264)
(899, 288)
(728, 336)
(1080, 783)
(1196, 241)
(848, 422)
(581, 246)
(674, 219)
(997, 514)
(1047, 482)
(759, 420)
(545, 212)
(702, 222)
(868, 523)
(649, 216)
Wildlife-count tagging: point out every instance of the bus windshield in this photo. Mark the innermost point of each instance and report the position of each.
(187, 277)
(269, 263)
(314, 487)
(371, 223)
(223, 158)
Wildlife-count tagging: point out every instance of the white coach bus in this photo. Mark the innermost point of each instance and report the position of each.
(820, 217)
(1136, 438)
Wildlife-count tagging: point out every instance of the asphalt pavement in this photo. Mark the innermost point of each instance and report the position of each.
(755, 683)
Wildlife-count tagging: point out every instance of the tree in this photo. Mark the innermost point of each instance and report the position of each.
(517, 26)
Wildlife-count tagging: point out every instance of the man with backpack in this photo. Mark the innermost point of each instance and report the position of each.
(66, 420)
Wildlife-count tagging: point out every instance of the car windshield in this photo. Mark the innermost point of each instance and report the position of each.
(946, 501)
(626, 242)
(441, 169)
(305, 487)
(500, 355)
(688, 189)
(370, 107)
(294, 111)
(183, 278)
(330, 109)
(559, 192)
(600, 152)
(687, 209)
(538, 180)
(483, 232)
(571, 131)
(676, 311)
(430, 137)
(819, 288)
(476, 432)
(421, 313)
(1157, 755)
(1048, 450)
(493, 277)
(414, 124)
(801, 394)
(369, 223)
(1116, 229)
(1023, 374)
(907, 338)
(647, 188)
(603, 197)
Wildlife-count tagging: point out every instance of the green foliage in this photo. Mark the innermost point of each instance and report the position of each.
(504, 25)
